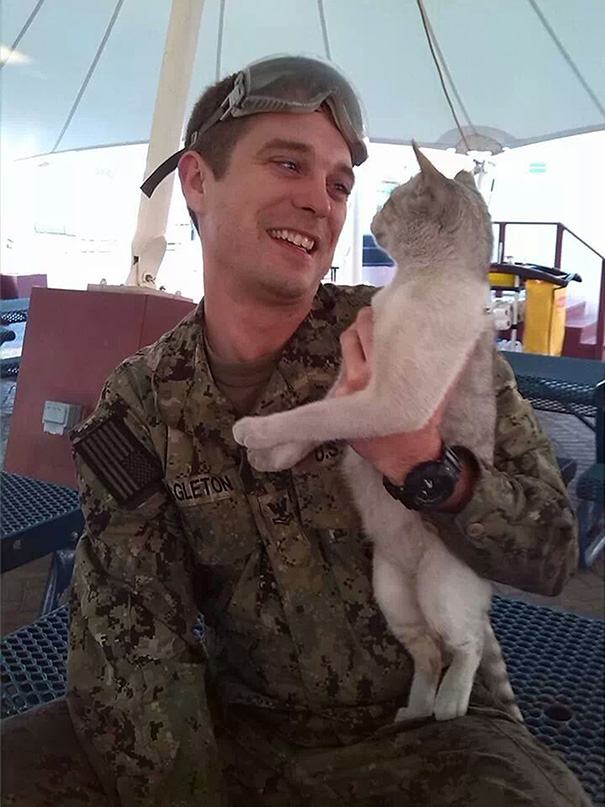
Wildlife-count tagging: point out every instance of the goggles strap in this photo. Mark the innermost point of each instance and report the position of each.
(161, 172)
(170, 165)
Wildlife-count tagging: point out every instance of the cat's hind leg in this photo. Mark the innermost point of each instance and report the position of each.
(396, 595)
(454, 601)
(455, 689)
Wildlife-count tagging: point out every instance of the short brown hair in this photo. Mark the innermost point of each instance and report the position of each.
(218, 142)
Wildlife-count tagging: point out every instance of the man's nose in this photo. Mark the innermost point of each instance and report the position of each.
(312, 195)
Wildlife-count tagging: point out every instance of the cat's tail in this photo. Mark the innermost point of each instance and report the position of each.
(494, 669)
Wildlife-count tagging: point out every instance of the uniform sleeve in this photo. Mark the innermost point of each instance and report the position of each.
(519, 527)
(135, 668)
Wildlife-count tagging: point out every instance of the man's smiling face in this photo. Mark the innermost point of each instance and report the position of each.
(270, 225)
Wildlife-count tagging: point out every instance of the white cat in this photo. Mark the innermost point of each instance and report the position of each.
(430, 328)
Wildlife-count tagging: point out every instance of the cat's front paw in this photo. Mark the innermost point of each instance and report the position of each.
(249, 432)
(278, 458)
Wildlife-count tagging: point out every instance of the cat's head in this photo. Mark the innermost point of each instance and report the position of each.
(431, 217)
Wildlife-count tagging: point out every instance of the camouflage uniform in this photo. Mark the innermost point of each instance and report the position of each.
(290, 699)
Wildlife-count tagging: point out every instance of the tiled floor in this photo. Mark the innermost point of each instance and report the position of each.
(21, 596)
(22, 588)
(585, 592)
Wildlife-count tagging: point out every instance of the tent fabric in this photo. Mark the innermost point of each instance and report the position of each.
(517, 72)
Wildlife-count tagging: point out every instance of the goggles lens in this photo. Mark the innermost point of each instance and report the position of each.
(284, 84)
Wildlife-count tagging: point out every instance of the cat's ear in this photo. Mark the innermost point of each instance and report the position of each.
(430, 174)
(466, 178)
(434, 191)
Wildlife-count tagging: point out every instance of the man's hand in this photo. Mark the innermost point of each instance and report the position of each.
(394, 455)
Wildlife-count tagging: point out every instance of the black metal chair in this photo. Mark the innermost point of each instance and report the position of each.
(576, 387)
(12, 311)
(39, 518)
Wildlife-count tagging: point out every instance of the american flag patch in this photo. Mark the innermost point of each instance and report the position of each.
(122, 463)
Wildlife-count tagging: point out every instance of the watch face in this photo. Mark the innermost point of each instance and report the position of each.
(429, 484)
(435, 487)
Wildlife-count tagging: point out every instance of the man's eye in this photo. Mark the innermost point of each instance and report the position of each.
(291, 165)
(341, 188)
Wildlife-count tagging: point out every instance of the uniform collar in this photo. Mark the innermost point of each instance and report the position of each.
(188, 399)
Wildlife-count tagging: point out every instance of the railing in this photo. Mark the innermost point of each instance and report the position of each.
(561, 230)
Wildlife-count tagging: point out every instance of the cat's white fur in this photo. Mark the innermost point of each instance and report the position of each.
(430, 328)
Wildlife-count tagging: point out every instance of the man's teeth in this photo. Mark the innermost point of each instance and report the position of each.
(294, 238)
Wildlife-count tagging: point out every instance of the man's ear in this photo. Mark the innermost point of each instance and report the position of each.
(194, 174)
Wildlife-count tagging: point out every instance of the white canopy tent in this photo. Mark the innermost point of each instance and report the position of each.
(468, 74)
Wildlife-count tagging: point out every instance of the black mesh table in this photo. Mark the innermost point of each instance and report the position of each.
(556, 662)
(12, 311)
(36, 518)
(577, 387)
(563, 384)
(9, 368)
(555, 659)
(32, 663)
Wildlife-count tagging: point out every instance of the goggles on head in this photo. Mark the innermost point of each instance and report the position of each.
(283, 84)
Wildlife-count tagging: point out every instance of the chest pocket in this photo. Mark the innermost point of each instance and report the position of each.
(212, 504)
(221, 531)
(323, 497)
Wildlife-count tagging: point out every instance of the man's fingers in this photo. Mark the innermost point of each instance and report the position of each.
(356, 370)
(365, 328)
(356, 346)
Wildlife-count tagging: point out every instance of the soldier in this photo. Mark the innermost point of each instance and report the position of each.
(289, 699)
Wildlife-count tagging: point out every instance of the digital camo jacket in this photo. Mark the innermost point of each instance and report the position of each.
(178, 524)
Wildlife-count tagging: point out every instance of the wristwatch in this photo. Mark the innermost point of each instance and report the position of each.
(429, 484)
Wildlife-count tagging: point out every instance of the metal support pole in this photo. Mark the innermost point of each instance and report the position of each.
(599, 349)
(559, 245)
(357, 233)
(149, 242)
(501, 240)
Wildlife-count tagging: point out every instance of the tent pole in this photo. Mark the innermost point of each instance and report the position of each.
(149, 241)
(357, 232)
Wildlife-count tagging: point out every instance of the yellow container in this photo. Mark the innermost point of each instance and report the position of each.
(502, 279)
(544, 318)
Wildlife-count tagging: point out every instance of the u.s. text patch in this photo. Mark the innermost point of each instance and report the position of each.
(126, 467)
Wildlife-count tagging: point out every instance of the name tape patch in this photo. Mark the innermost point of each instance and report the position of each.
(202, 487)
